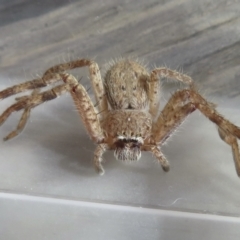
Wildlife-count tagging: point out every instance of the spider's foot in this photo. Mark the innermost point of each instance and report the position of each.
(10, 135)
(166, 167)
(99, 169)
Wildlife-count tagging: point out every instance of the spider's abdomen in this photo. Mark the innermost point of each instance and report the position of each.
(126, 85)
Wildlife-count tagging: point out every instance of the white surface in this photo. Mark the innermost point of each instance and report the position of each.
(44, 218)
(52, 158)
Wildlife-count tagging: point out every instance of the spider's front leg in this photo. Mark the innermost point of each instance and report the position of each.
(95, 77)
(154, 85)
(85, 108)
(23, 119)
(184, 102)
(54, 74)
(173, 114)
(29, 102)
(84, 105)
(90, 120)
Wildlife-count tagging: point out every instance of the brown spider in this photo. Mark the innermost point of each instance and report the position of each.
(126, 118)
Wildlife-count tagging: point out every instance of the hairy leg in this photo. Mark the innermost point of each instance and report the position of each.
(232, 141)
(33, 101)
(192, 97)
(154, 85)
(172, 116)
(180, 106)
(53, 75)
(101, 148)
(81, 99)
(23, 120)
(30, 85)
(86, 109)
(161, 158)
(95, 76)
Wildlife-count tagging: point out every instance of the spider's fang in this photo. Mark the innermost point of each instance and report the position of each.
(128, 149)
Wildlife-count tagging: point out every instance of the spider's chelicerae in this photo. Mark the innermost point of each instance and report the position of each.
(126, 117)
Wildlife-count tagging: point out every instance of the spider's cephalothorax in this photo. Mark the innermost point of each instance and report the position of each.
(126, 118)
(126, 131)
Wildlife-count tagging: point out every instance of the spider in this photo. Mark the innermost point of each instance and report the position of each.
(126, 118)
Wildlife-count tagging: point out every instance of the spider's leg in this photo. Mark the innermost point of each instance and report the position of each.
(159, 156)
(30, 85)
(169, 119)
(21, 124)
(99, 90)
(101, 148)
(90, 118)
(25, 116)
(232, 141)
(154, 85)
(86, 109)
(82, 101)
(29, 102)
(53, 75)
(198, 102)
(95, 76)
(210, 112)
(172, 116)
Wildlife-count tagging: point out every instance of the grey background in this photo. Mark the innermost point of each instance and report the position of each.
(199, 37)
(49, 189)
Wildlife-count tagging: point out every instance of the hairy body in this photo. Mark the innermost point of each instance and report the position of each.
(126, 118)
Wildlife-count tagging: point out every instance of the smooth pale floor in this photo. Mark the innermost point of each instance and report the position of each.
(49, 189)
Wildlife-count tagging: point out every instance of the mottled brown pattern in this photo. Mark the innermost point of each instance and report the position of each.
(125, 118)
